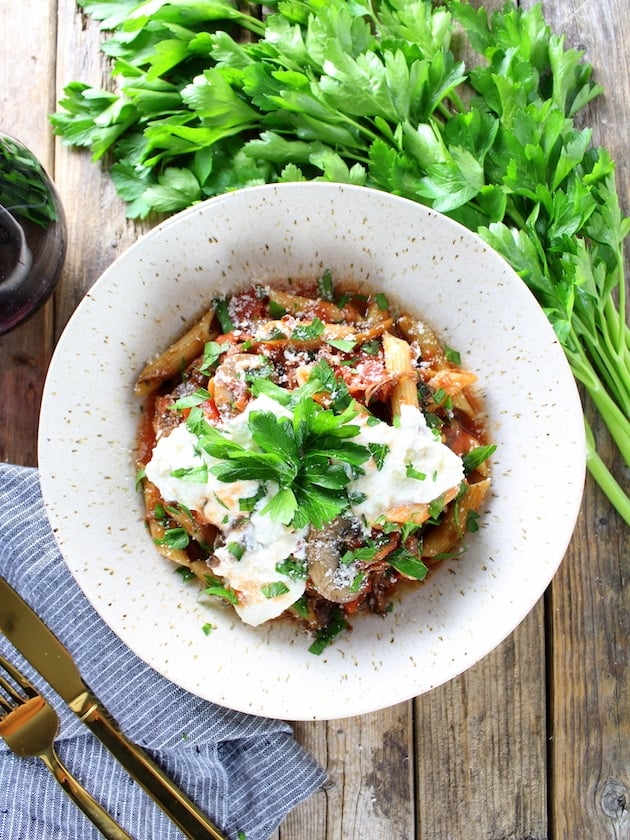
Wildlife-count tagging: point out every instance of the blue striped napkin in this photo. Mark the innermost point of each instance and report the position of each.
(246, 772)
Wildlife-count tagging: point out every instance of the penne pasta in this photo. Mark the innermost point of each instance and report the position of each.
(299, 304)
(443, 538)
(398, 363)
(176, 357)
(306, 464)
(418, 512)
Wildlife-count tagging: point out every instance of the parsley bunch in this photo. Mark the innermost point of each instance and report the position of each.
(211, 98)
(307, 454)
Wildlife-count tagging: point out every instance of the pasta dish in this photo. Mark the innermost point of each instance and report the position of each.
(305, 450)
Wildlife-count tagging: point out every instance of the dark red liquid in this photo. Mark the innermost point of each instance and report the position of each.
(32, 234)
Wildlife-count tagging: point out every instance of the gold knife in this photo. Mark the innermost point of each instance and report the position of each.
(49, 657)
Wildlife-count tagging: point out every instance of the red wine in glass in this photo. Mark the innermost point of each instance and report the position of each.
(32, 234)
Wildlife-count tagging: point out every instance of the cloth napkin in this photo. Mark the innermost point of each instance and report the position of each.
(245, 772)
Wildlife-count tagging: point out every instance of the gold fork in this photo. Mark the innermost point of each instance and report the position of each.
(29, 726)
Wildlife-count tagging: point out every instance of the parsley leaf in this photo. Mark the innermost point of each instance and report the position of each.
(473, 459)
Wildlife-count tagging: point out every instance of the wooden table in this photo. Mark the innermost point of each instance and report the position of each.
(534, 741)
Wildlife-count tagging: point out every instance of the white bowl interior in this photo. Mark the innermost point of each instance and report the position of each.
(435, 268)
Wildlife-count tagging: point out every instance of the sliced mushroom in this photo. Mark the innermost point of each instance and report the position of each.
(332, 579)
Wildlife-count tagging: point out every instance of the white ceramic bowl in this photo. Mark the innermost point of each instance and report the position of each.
(477, 304)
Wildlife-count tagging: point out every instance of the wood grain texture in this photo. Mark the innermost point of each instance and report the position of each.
(97, 228)
(589, 600)
(27, 64)
(532, 743)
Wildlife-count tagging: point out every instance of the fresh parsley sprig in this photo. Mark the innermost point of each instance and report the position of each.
(309, 455)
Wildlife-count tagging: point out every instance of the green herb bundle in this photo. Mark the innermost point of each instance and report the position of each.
(210, 98)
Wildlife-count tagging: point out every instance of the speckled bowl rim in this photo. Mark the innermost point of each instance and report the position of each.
(478, 305)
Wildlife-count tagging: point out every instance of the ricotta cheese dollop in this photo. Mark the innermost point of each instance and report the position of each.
(263, 592)
(414, 466)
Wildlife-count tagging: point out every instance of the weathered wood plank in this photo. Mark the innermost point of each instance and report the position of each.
(590, 597)
(369, 759)
(97, 228)
(481, 745)
(27, 73)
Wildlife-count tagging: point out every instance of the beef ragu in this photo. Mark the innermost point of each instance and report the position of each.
(305, 450)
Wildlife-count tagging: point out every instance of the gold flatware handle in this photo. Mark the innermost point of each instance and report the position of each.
(163, 790)
(36, 642)
(108, 827)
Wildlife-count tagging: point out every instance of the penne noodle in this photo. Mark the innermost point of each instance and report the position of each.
(418, 512)
(295, 304)
(278, 334)
(449, 533)
(431, 348)
(169, 363)
(452, 380)
(398, 362)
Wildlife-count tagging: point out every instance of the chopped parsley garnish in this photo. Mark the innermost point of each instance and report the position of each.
(357, 582)
(300, 607)
(356, 498)
(412, 472)
(292, 568)
(434, 421)
(325, 636)
(140, 476)
(372, 347)
(249, 503)
(216, 587)
(407, 564)
(472, 521)
(273, 590)
(263, 371)
(308, 332)
(185, 573)
(436, 507)
(222, 312)
(198, 397)
(276, 310)
(442, 399)
(325, 288)
(175, 538)
(381, 301)
(346, 345)
(452, 356)
(236, 549)
(365, 554)
(379, 452)
(178, 510)
(212, 351)
(475, 458)
(198, 474)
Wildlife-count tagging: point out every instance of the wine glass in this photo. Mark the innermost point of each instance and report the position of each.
(32, 234)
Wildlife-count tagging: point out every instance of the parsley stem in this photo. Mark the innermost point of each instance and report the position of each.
(618, 424)
(604, 478)
(514, 214)
(457, 101)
